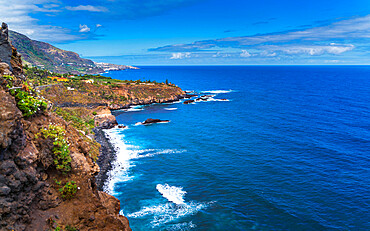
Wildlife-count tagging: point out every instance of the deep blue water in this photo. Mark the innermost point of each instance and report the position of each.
(289, 151)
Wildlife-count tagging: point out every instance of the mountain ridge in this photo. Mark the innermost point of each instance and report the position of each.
(46, 56)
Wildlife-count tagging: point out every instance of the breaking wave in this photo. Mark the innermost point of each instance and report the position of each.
(171, 211)
(125, 154)
(217, 91)
(172, 193)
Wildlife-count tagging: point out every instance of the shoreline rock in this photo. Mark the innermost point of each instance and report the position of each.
(106, 157)
(154, 121)
(188, 101)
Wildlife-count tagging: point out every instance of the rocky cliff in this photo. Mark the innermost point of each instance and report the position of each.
(47, 167)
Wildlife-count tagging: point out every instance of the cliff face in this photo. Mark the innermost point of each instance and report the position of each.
(32, 189)
(114, 97)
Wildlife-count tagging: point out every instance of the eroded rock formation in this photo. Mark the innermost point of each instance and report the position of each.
(8, 54)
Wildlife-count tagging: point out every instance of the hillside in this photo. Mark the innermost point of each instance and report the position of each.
(46, 56)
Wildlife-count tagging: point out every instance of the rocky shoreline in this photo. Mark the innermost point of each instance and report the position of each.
(107, 155)
(138, 102)
(107, 151)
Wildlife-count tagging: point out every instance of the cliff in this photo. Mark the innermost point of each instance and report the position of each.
(47, 166)
(44, 55)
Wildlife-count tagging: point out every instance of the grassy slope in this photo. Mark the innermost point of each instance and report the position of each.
(40, 53)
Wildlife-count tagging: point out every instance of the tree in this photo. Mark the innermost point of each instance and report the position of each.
(166, 81)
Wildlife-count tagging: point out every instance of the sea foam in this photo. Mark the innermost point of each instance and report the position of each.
(168, 212)
(125, 156)
(171, 211)
(172, 193)
(135, 108)
(217, 91)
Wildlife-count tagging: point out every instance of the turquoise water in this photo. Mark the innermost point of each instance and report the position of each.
(289, 150)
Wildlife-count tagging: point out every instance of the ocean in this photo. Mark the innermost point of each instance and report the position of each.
(289, 149)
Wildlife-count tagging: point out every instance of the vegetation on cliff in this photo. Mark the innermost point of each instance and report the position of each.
(62, 159)
(39, 149)
(44, 55)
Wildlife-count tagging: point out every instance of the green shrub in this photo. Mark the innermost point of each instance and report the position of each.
(27, 103)
(80, 119)
(8, 81)
(57, 182)
(62, 158)
(70, 228)
(94, 113)
(68, 190)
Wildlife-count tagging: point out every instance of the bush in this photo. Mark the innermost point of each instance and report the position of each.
(62, 158)
(28, 104)
(81, 119)
(70, 228)
(94, 113)
(68, 190)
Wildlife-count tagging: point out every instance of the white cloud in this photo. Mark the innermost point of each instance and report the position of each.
(245, 54)
(310, 49)
(332, 61)
(353, 30)
(87, 8)
(84, 29)
(267, 54)
(180, 55)
(17, 15)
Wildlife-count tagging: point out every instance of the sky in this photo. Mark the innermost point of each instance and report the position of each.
(200, 32)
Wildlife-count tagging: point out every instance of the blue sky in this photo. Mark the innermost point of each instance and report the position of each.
(199, 32)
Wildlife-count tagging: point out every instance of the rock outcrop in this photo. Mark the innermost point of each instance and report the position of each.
(10, 59)
(5, 45)
(105, 121)
(188, 101)
(153, 121)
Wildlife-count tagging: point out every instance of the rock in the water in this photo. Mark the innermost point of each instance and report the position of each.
(152, 121)
(122, 126)
(188, 96)
(188, 101)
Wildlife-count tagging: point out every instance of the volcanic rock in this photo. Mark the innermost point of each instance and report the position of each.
(188, 101)
(152, 121)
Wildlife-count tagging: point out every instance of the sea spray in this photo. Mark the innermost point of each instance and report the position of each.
(122, 164)
(172, 193)
(217, 91)
(171, 211)
(125, 154)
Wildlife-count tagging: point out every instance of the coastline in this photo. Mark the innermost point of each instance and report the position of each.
(138, 102)
(106, 157)
(107, 150)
